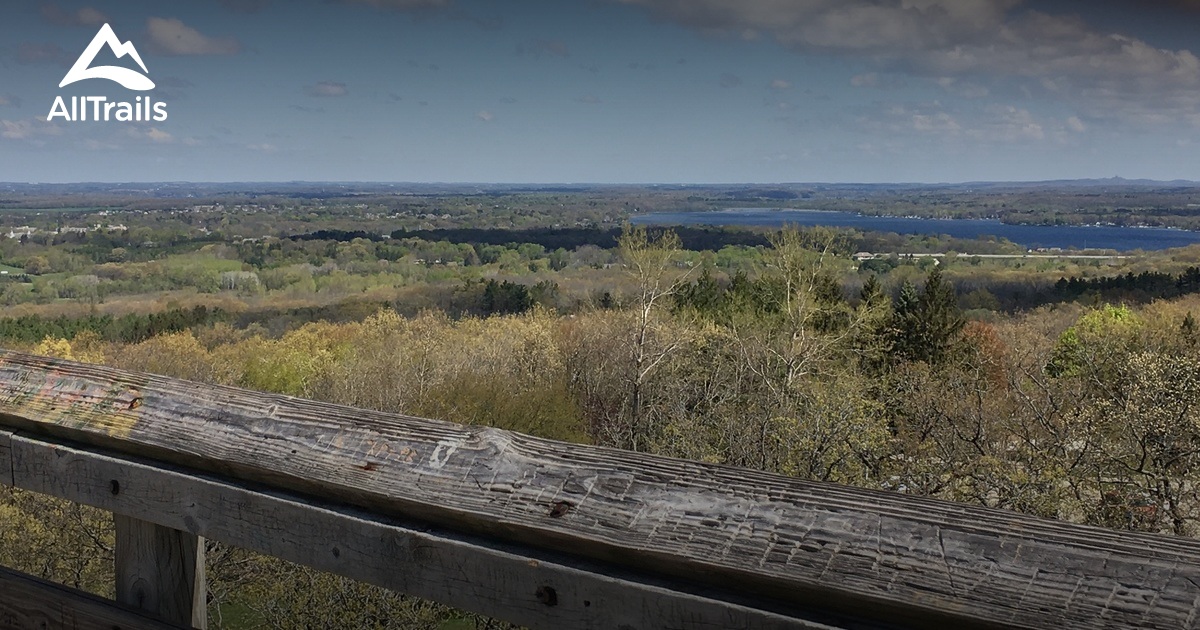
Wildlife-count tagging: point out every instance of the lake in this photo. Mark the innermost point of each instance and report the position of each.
(1030, 236)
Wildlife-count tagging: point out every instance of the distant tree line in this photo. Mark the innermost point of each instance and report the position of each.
(131, 328)
(135, 328)
(694, 239)
(1143, 287)
(691, 238)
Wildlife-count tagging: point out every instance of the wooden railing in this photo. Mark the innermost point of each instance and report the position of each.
(540, 533)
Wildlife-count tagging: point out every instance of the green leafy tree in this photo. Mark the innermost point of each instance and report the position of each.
(37, 265)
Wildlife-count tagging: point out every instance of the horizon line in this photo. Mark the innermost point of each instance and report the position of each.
(1098, 180)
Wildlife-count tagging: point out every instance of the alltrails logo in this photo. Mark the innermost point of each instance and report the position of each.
(142, 109)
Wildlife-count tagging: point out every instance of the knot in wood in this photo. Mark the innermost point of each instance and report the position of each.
(547, 596)
(559, 509)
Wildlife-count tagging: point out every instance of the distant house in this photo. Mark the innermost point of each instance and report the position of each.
(24, 230)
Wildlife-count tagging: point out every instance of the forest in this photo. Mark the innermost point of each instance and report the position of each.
(1064, 389)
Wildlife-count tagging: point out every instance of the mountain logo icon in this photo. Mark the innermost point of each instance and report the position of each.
(83, 69)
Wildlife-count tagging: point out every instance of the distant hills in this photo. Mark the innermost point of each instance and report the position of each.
(349, 189)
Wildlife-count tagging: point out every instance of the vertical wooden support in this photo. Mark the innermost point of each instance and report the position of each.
(161, 570)
(6, 461)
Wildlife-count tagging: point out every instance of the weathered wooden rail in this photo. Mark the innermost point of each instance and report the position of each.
(537, 532)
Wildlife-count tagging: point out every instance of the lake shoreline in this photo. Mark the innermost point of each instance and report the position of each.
(1138, 226)
(1030, 236)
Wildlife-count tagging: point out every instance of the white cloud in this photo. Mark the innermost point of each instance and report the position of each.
(93, 144)
(1076, 125)
(965, 89)
(1007, 123)
(153, 134)
(170, 36)
(85, 16)
(90, 16)
(973, 42)
(15, 129)
(327, 89)
(899, 119)
(941, 122)
(847, 25)
(157, 135)
(29, 129)
(780, 84)
(485, 116)
(264, 147)
(959, 126)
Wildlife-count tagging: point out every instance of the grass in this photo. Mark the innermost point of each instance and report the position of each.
(236, 616)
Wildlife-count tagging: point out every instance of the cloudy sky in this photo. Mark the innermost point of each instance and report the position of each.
(693, 91)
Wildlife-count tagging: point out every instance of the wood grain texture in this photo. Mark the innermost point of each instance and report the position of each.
(160, 570)
(28, 603)
(495, 580)
(887, 556)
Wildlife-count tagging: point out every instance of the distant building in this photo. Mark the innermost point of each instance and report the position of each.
(24, 230)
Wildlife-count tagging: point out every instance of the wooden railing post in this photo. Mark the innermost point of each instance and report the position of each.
(161, 570)
(6, 465)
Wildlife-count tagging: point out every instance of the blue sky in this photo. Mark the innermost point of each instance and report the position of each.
(689, 91)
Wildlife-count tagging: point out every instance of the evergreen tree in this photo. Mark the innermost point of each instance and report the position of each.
(505, 298)
(906, 323)
(871, 293)
(925, 325)
(704, 295)
(873, 343)
(941, 318)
